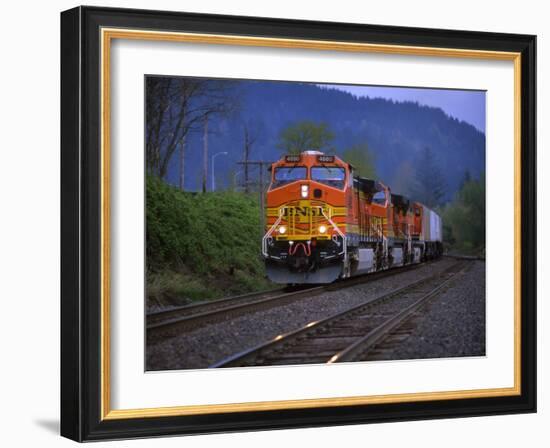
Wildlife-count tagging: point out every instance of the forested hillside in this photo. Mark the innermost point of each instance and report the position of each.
(397, 134)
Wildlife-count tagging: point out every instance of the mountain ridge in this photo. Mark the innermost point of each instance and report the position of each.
(396, 132)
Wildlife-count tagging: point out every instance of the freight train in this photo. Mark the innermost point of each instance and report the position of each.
(324, 223)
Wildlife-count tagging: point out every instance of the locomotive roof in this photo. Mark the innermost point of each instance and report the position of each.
(368, 185)
(400, 201)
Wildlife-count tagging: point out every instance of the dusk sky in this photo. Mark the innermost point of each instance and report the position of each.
(466, 105)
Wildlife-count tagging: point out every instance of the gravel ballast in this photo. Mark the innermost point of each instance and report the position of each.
(204, 346)
(451, 325)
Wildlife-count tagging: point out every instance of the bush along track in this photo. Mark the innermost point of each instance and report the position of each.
(201, 246)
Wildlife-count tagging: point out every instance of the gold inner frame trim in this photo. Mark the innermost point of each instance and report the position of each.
(107, 35)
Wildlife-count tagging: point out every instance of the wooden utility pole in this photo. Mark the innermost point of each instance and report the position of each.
(205, 154)
(182, 163)
(262, 214)
(246, 154)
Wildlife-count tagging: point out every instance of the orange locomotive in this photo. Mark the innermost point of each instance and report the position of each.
(325, 223)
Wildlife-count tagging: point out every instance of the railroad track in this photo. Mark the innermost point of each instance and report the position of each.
(464, 257)
(171, 322)
(348, 335)
(197, 308)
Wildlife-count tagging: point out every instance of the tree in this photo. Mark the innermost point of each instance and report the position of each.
(182, 163)
(362, 160)
(466, 177)
(250, 135)
(404, 179)
(429, 186)
(464, 218)
(305, 135)
(176, 107)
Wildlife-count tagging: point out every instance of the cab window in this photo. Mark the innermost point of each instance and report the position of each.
(286, 174)
(379, 198)
(333, 176)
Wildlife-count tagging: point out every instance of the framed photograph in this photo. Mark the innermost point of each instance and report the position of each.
(276, 224)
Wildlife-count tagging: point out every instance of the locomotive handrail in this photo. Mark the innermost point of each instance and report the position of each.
(380, 233)
(270, 231)
(409, 239)
(344, 241)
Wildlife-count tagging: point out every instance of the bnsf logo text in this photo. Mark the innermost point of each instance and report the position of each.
(302, 211)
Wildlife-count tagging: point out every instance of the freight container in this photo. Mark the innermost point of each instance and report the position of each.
(431, 225)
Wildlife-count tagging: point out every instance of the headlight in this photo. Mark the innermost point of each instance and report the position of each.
(282, 229)
(322, 228)
(305, 191)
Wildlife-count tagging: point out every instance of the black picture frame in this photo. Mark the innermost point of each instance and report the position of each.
(81, 380)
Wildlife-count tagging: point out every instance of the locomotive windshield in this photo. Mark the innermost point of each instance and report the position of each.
(379, 198)
(333, 176)
(286, 174)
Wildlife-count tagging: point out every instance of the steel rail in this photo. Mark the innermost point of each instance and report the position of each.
(196, 308)
(247, 357)
(367, 342)
(219, 314)
(178, 324)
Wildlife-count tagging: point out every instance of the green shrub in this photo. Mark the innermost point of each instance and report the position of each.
(201, 246)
